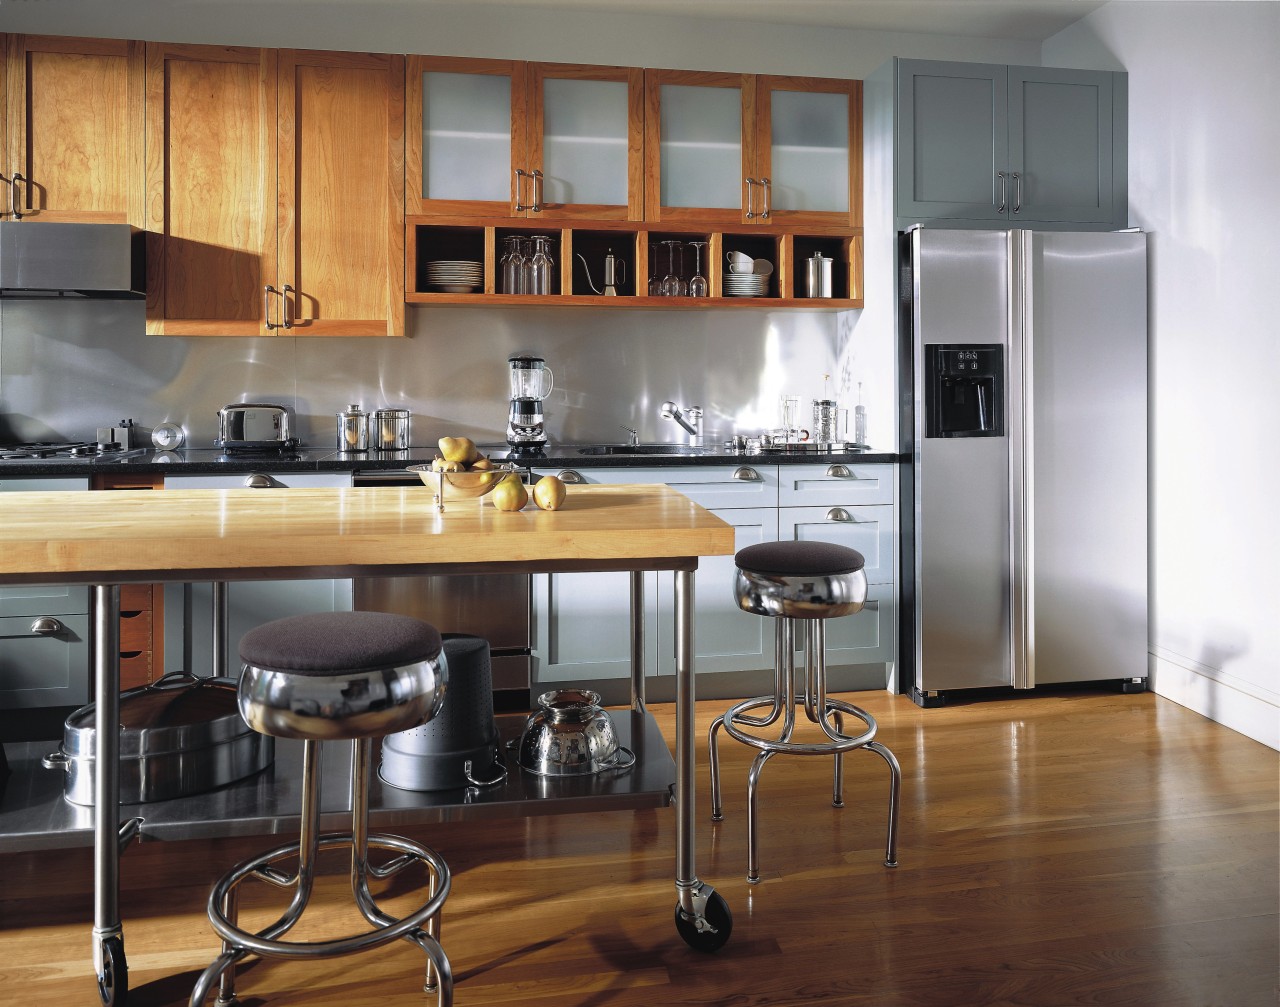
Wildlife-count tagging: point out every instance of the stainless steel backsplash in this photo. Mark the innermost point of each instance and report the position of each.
(70, 366)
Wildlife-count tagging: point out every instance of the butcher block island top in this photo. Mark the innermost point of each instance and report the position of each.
(252, 534)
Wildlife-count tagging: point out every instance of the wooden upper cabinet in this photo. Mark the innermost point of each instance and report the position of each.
(514, 139)
(211, 189)
(74, 113)
(737, 148)
(274, 192)
(341, 193)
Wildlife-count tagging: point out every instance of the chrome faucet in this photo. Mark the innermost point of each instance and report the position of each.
(671, 411)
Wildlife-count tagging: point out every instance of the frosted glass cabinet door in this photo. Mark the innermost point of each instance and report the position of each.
(808, 161)
(586, 134)
(699, 145)
(464, 135)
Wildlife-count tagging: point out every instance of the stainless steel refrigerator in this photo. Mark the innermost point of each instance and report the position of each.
(1028, 480)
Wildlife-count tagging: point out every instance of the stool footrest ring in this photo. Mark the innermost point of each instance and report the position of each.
(411, 852)
(828, 747)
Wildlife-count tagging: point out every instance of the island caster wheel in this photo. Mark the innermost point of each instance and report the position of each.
(718, 925)
(113, 980)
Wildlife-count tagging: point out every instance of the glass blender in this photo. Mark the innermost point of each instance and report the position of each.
(531, 383)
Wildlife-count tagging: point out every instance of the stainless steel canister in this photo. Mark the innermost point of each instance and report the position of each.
(390, 429)
(818, 275)
(353, 429)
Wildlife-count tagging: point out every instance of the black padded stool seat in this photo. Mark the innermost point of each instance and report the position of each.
(799, 559)
(327, 643)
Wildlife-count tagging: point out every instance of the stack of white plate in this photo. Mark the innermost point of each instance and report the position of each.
(745, 285)
(455, 276)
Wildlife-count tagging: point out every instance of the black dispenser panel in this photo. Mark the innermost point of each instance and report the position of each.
(964, 390)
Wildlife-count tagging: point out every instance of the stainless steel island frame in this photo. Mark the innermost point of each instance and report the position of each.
(225, 535)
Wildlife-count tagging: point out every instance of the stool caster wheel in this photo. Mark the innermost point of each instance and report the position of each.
(113, 979)
(717, 925)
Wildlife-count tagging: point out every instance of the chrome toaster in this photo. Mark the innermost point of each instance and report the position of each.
(254, 426)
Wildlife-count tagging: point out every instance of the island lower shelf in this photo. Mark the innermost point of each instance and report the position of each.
(34, 815)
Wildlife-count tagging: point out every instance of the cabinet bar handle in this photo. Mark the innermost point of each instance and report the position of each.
(266, 305)
(1003, 192)
(46, 626)
(838, 471)
(1017, 193)
(839, 514)
(284, 297)
(751, 198)
(520, 175)
(15, 204)
(537, 177)
(747, 474)
(571, 476)
(767, 186)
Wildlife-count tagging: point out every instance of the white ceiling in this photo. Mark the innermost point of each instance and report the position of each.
(1029, 20)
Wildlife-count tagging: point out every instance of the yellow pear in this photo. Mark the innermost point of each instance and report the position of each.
(442, 465)
(510, 494)
(482, 463)
(458, 449)
(549, 493)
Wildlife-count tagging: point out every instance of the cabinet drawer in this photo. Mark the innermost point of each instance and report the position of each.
(836, 484)
(279, 480)
(866, 637)
(135, 598)
(718, 486)
(135, 631)
(38, 670)
(135, 670)
(867, 529)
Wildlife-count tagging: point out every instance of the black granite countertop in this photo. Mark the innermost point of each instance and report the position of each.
(191, 461)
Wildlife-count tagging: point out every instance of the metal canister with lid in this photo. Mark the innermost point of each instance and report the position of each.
(390, 429)
(353, 429)
(818, 275)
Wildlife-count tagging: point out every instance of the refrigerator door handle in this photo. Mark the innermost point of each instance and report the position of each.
(1021, 462)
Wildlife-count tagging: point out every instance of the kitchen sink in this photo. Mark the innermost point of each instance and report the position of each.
(641, 449)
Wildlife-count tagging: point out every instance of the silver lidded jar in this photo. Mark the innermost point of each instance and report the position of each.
(353, 429)
(389, 430)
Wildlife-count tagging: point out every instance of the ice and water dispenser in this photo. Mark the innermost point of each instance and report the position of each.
(964, 390)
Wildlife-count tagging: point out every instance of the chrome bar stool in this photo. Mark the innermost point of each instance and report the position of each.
(800, 583)
(329, 677)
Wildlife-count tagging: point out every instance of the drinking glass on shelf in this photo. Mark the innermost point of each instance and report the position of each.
(511, 265)
(672, 286)
(655, 279)
(541, 267)
(698, 285)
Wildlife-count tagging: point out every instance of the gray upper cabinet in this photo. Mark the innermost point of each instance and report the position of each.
(1010, 145)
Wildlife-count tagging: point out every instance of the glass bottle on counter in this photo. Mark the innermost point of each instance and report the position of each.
(860, 419)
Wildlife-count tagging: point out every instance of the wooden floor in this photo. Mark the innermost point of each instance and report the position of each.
(1082, 848)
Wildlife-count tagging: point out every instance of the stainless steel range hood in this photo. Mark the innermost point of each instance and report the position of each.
(71, 260)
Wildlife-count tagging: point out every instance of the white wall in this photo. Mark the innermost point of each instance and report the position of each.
(1204, 142)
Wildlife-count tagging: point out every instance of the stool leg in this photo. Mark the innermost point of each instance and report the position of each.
(227, 981)
(753, 847)
(895, 787)
(713, 744)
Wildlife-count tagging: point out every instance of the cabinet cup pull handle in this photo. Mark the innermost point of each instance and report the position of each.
(747, 474)
(520, 175)
(284, 297)
(751, 199)
(257, 481)
(1003, 192)
(839, 514)
(46, 625)
(1017, 193)
(537, 177)
(767, 188)
(570, 476)
(838, 471)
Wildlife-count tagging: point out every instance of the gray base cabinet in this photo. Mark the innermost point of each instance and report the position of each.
(581, 621)
(44, 630)
(1007, 145)
(188, 609)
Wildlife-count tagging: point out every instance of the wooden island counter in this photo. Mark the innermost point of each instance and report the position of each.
(109, 539)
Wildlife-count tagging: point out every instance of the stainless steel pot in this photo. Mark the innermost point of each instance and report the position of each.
(181, 735)
(570, 735)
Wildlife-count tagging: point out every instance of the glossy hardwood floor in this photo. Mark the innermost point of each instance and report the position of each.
(1079, 848)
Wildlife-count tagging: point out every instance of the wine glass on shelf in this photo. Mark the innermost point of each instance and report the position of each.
(698, 285)
(655, 279)
(671, 285)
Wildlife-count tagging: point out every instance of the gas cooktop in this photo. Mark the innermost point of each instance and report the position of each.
(81, 450)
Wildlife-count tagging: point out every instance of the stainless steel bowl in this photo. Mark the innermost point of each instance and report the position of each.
(570, 735)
